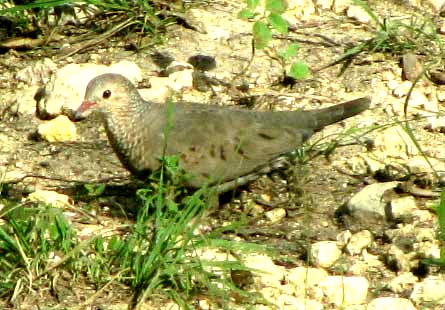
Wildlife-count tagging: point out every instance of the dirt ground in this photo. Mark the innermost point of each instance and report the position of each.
(311, 193)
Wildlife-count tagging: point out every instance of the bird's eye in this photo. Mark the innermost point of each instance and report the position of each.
(106, 94)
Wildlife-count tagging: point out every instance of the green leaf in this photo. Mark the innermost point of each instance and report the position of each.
(261, 34)
(278, 22)
(252, 4)
(299, 70)
(276, 6)
(290, 52)
(246, 14)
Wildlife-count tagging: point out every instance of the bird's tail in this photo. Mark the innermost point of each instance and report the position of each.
(336, 113)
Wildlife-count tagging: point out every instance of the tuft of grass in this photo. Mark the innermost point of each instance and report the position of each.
(158, 257)
(395, 36)
(440, 211)
(32, 240)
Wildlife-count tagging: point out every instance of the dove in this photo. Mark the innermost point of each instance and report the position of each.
(216, 146)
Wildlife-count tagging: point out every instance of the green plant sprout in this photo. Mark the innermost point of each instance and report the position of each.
(268, 21)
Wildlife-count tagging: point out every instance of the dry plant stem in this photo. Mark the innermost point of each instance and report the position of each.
(100, 38)
(243, 71)
(93, 297)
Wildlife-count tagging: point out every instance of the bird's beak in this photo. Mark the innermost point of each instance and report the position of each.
(84, 110)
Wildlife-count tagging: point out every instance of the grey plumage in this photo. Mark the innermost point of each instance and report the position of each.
(216, 145)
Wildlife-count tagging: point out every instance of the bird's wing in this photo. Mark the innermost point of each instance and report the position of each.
(218, 145)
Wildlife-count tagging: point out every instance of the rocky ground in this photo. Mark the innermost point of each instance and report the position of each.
(352, 227)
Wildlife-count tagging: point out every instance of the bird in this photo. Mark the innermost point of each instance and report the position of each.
(215, 145)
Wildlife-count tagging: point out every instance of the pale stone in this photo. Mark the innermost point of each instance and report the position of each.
(306, 280)
(429, 249)
(371, 260)
(340, 6)
(275, 215)
(342, 290)
(423, 216)
(436, 123)
(395, 142)
(324, 4)
(402, 89)
(440, 94)
(368, 202)
(58, 130)
(324, 253)
(403, 206)
(390, 303)
(429, 290)
(51, 198)
(358, 13)
(359, 241)
(343, 238)
(156, 94)
(66, 88)
(181, 80)
(402, 282)
(271, 274)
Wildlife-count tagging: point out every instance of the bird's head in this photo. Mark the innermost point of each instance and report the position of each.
(107, 93)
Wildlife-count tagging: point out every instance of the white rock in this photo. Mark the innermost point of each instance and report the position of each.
(390, 303)
(324, 253)
(51, 198)
(403, 206)
(371, 260)
(372, 163)
(324, 4)
(342, 290)
(425, 234)
(340, 6)
(358, 13)
(273, 274)
(306, 279)
(402, 89)
(402, 282)
(343, 238)
(428, 249)
(431, 289)
(420, 104)
(440, 94)
(275, 215)
(359, 241)
(394, 142)
(66, 88)
(57, 130)
(436, 123)
(423, 216)
(159, 95)
(369, 202)
(181, 80)
(127, 68)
